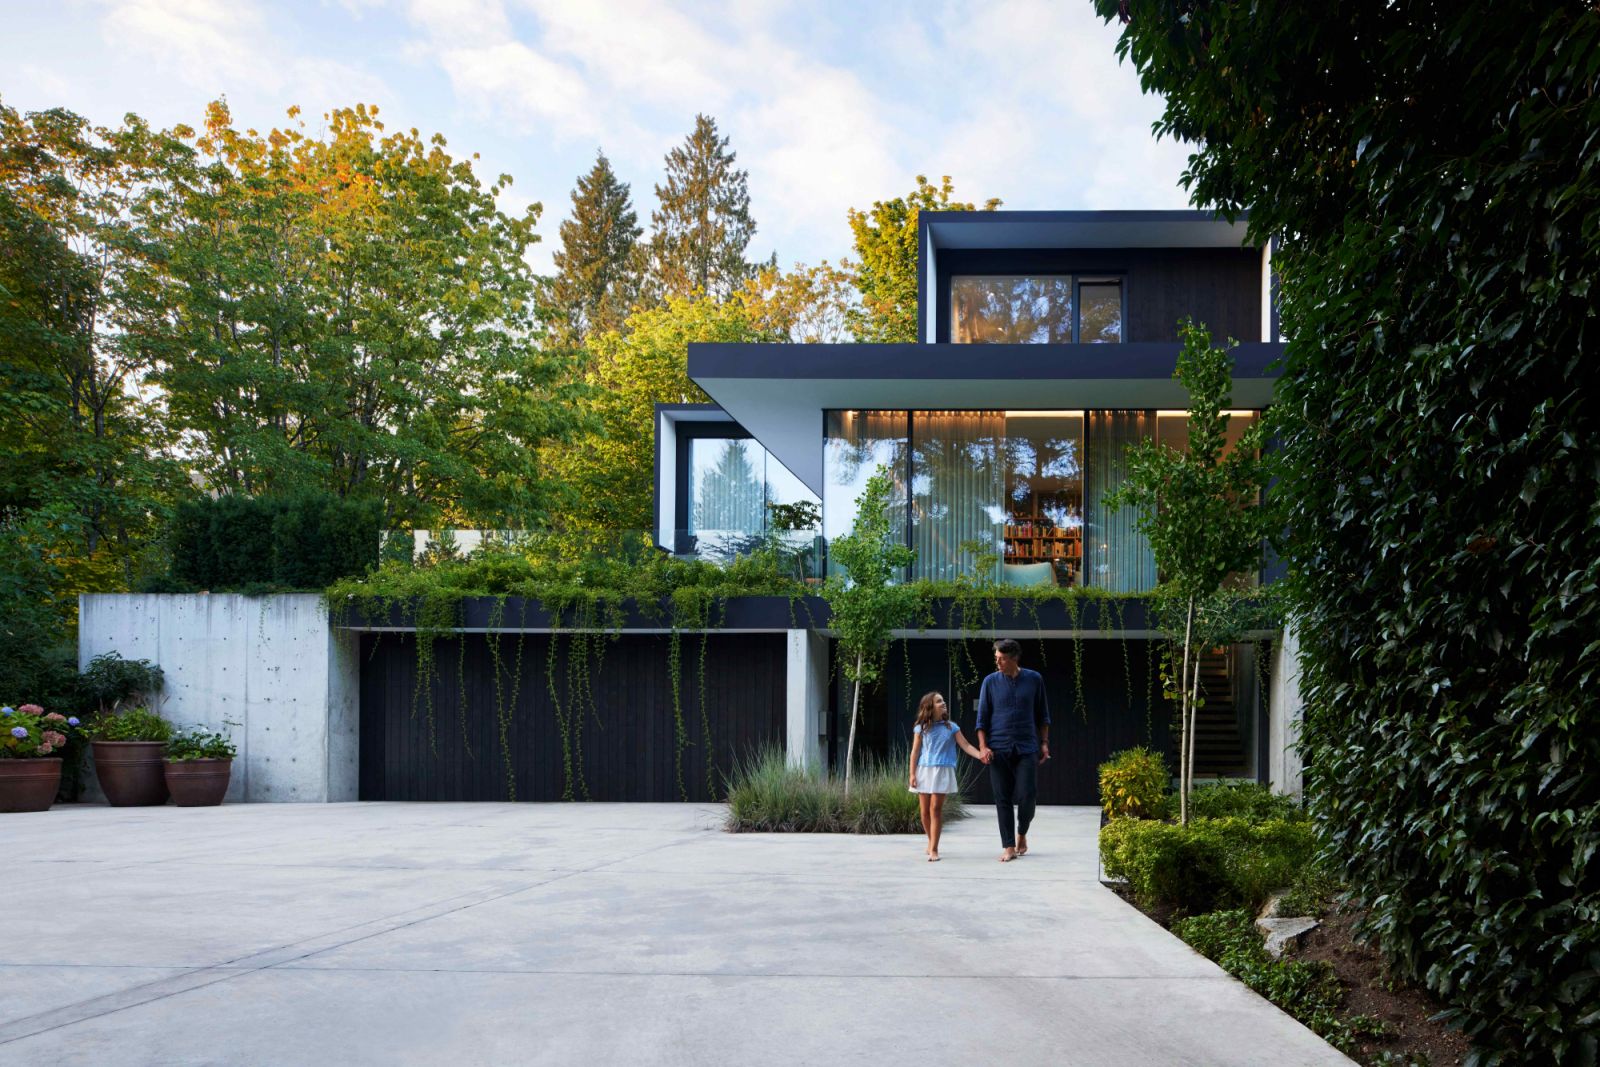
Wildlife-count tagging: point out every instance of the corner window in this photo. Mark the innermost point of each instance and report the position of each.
(1035, 309)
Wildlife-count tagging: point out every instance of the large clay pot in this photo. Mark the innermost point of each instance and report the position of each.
(29, 784)
(198, 783)
(131, 772)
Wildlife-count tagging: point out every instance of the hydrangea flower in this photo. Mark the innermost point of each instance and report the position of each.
(54, 716)
(31, 709)
(45, 750)
(17, 731)
(7, 711)
(72, 720)
(52, 738)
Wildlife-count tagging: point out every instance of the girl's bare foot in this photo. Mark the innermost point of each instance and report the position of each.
(1008, 855)
(933, 857)
(1022, 845)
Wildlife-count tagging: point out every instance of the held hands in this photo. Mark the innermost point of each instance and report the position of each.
(985, 754)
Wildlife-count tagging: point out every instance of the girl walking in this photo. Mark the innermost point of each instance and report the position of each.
(934, 740)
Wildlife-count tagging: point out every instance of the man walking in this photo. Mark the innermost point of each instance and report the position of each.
(1013, 739)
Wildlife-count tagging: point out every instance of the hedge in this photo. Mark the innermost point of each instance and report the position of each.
(307, 541)
(1207, 865)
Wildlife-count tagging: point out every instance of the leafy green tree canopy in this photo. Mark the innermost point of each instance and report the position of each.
(594, 282)
(886, 251)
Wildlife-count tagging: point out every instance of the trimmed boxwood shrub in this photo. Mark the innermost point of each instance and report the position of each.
(305, 541)
(1209, 864)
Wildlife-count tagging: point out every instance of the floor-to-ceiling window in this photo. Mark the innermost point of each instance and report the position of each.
(728, 480)
(958, 490)
(855, 444)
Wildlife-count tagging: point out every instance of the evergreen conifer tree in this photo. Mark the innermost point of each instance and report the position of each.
(595, 280)
(703, 226)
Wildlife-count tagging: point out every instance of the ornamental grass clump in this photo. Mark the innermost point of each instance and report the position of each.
(767, 794)
(29, 732)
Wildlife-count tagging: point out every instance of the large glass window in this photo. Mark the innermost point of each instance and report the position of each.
(1043, 540)
(1116, 556)
(730, 481)
(958, 503)
(856, 444)
(1035, 309)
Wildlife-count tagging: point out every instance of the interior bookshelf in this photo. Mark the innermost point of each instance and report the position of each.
(1034, 539)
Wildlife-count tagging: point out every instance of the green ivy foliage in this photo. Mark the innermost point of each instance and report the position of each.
(1433, 171)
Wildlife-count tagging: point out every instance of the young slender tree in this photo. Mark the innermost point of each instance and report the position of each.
(1203, 513)
(594, 281)
(701, 229)
(866, 603)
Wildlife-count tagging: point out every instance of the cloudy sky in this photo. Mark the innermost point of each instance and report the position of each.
(828, 104)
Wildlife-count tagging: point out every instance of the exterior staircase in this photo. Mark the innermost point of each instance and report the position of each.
(1219, 749)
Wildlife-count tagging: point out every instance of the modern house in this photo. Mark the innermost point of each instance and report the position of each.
(1047, 345)
(1047, 342)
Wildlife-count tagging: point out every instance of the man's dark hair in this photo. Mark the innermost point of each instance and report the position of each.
(1007, 647)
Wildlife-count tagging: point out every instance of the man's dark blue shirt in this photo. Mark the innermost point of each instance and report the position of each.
(1011, 711)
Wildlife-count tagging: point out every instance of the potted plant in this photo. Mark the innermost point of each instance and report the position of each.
(30, 771)
(128, 750)
(198, 765)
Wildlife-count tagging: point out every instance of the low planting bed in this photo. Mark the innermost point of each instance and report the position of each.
(1245, 852)
(768, 795)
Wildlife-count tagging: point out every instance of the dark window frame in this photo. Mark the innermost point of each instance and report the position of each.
(945, 322)
(689, 432)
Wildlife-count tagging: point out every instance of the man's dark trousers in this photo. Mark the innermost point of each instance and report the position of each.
(1014, 777)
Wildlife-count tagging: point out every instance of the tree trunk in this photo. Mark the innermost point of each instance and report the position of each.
(1184, 726)
(1194, 716)
(850, 748)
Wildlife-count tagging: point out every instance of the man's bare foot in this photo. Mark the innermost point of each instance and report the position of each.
(1008, 855)
(1022, 845)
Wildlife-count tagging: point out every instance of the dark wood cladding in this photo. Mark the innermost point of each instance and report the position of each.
(1220, 287)
(1114, 715)
(619, 749)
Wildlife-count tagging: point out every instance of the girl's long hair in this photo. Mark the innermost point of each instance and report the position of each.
(928, 711)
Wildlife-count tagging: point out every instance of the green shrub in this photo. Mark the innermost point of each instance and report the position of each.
(1209, 864)
(1307, 990)
(200, 743)
(264, 544)
(1133, 784)
(134, 724)
(768, 795)
(1237, 799)
(1312, 892)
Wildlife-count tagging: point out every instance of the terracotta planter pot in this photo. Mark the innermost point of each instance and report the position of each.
(29, 784)
(131, 772)
(198, 783)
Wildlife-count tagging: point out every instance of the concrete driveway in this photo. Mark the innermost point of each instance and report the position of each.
(587, 934)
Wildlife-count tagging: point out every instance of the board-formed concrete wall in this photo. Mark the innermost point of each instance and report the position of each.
(270, 665)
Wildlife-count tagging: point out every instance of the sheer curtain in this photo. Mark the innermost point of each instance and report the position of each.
(957, 489)
(1116, 556)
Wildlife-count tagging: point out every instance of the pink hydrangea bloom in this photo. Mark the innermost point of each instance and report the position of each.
(55, 716)
(30, 709)
(45, 750)
(52, 738)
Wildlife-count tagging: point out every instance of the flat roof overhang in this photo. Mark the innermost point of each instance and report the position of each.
(778, 392)
(991, 230)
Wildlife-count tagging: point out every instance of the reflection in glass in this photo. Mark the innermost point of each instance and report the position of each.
(731, 481)
(1116, 556)
(1011, 309)
(855, 444)
(957, 490)
(1100, 312)
(1043, 536)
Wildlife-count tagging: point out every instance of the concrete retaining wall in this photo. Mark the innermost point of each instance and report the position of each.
(1284, 714)
(271, 665)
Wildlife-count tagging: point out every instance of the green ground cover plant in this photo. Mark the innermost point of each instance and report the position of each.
(768, 795)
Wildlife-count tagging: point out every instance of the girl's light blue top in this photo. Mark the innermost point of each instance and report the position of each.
(938, 745)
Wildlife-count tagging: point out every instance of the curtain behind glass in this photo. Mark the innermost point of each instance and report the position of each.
(957, 489)
(1116, 556)
(855, 444)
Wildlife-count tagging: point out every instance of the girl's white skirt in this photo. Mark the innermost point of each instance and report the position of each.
(935, 780)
